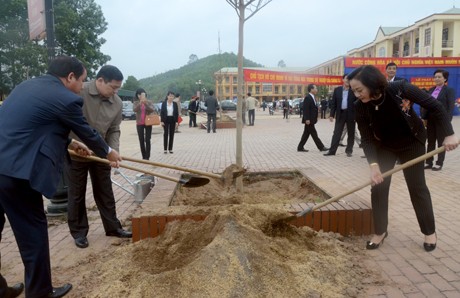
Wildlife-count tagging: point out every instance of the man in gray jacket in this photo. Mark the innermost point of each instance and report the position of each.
(211, 109)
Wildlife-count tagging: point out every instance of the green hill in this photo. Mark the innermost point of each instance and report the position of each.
(183, 80)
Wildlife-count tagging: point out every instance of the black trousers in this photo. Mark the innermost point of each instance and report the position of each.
(323, 113)
(340, 122)
(307, 131)
(192, 119)
(251, 116)
(212, 118)
(77, 177)
(168, 133)
(25, 211)
(415, 180)
(144, 132)
(433, 136)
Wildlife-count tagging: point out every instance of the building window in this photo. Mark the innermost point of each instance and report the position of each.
(227, 90)
(234, 90)
(382, 52)
(227, 79)
(250, 89)
(283, 89)
(257, 89)
(406, 48)
(267, 87)
(417, 45)
(428, 37)
(277, 89)
(299, 89)
(235, 80)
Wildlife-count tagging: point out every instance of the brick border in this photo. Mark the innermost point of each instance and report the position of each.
(345, 218)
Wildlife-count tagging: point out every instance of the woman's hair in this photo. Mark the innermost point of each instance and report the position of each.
(62, 66)
(139, 92)
(371, 77)
(444, 73)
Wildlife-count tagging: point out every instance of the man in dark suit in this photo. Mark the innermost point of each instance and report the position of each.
(33, 148)
(343, 110)
(390, 71)
(310, 117)
(323, 108)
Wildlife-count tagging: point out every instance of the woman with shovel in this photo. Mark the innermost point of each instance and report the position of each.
(391, 130)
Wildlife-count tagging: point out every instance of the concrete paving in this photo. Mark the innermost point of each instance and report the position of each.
(271, 145)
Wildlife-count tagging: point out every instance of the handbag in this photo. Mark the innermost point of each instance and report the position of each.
(152, 120)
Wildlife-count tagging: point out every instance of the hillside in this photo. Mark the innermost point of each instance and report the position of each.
(183, 80)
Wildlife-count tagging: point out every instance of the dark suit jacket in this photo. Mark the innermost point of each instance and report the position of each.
(394, 94)
(35, 122)
(336, 108)
(310, 110)
(164, 111)
(447, 98)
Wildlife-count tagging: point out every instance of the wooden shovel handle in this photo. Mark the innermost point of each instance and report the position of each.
(169, 166)
(102, 160)
(384, 175)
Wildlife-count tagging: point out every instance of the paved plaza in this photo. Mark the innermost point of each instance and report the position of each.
(271, 145)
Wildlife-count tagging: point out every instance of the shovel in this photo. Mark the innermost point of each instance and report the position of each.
(187, 180)
(169, 166)
(359, 187)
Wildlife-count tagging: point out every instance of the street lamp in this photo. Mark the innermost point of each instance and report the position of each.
(199, 83)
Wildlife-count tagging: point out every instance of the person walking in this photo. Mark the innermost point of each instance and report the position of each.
(252, 103)
(323, 108)
(401, 138)
(142, 107)
(211, 109)
(192, 110)
(343, 111)
(102, 108)
(446, 96)
(177, 100)
(286, 107)
(34, 147)
(310, 117)
(169, 120)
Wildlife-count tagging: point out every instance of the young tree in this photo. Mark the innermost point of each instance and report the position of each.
(281, 63)
(240, 6)
(192, 58)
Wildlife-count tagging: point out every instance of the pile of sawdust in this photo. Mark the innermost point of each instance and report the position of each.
(235, 252)
(258, 189)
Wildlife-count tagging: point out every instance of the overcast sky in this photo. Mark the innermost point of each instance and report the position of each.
(149, 37)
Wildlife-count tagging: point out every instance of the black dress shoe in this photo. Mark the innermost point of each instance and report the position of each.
(436, 168)
(329, 154)
(60, 292)
(349, 154)
(428, 166)
(324, 149)
(81, 242)
(120, 233)
(342, 145)
(302, 150)
(15, 290)
(372, 245)
(429, 246)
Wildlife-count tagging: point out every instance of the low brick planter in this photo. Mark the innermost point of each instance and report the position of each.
(220, 124)
(345, 218)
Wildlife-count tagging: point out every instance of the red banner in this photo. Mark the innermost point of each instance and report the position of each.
(404, 62)
(422, 82)
(266, 76)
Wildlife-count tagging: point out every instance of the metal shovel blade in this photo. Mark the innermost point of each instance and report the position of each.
(188, 180)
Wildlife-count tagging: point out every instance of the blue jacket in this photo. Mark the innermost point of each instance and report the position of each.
(35, 121)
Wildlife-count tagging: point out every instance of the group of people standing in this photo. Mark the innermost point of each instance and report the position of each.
(391, 132)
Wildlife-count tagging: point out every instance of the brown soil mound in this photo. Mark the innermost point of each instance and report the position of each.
(259, 189)
(235, 252)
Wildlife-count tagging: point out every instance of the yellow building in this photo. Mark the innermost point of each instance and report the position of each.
(437, 35)
(227, 85)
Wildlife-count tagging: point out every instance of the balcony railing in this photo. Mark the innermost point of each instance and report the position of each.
(447, 43)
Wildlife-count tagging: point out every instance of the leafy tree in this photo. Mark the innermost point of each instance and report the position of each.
(78, 26)
(281, 63)
(131, 83)
(20, 58)
(192, 58)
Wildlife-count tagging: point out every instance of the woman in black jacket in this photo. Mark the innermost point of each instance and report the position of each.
(446, 96)
(391, 130)
(169, 120)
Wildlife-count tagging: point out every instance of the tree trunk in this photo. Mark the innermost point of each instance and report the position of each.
(239, 123)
